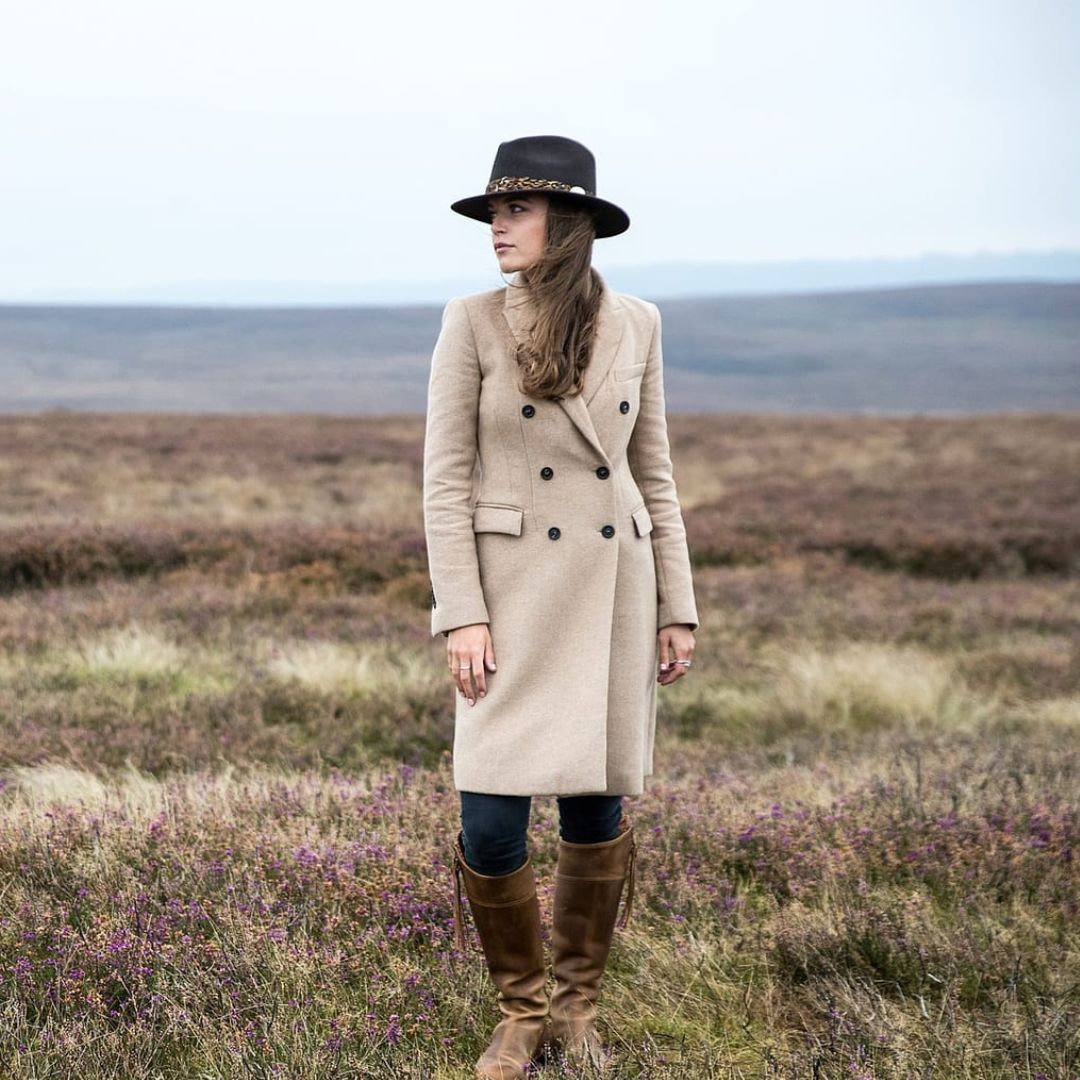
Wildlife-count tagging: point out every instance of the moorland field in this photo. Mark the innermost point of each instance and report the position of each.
(226, 806)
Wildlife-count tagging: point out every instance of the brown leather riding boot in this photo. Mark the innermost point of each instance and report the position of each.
(588, 883)
(507, 918)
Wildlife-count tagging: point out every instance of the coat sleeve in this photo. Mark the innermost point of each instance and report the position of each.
(450, 443)
(649, 457)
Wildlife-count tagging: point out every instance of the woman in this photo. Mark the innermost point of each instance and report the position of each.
(560, 578)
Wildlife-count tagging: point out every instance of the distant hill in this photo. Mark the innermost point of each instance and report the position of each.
(670, 280)
(656, 281)
(928, 349)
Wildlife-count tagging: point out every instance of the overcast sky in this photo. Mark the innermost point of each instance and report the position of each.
(232, 140)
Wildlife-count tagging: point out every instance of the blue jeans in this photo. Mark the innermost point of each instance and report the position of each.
(493, 827)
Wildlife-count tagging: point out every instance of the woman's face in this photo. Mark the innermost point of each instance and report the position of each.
(517, 229)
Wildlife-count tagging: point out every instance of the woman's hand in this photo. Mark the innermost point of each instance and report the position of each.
(676, 643)
(471, 655)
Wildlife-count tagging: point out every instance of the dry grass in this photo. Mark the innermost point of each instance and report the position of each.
(225, 797)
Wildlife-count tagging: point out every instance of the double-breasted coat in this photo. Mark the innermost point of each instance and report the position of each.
(557, 523)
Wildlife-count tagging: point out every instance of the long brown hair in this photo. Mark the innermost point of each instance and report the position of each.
(565, 293)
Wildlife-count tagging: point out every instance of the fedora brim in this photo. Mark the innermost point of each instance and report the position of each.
(610, 219)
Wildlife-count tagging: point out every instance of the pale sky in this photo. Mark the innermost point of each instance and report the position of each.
(226, 140)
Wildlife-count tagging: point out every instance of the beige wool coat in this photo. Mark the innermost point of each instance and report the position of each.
(558, 524)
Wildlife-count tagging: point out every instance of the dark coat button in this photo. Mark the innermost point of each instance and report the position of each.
(547, 472)
(527, 410)
(603, 472)
(608, 530)
(553, 533)
(624, 406)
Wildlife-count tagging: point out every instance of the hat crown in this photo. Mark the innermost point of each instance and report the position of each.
(546, 157)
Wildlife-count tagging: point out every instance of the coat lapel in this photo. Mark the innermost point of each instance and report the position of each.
(609, 332)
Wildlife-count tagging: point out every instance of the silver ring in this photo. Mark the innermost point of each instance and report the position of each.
(686, 662)
(465, 667)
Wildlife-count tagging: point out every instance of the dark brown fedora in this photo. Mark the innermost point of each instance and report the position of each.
(547, 163)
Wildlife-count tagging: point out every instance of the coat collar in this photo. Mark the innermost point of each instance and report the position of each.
(609, 332)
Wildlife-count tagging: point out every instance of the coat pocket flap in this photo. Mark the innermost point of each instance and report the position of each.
(642, 521)
(500, 519)
(631, 371)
